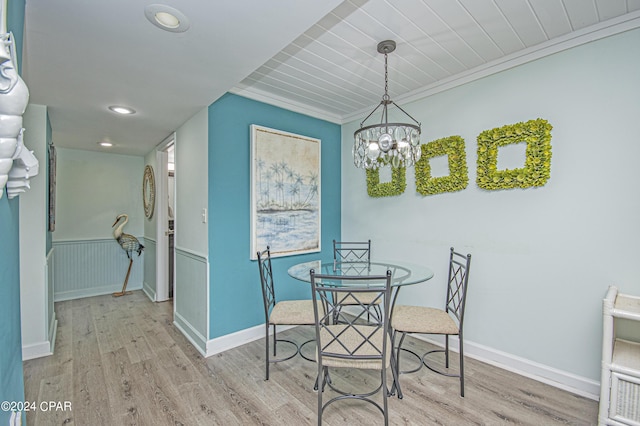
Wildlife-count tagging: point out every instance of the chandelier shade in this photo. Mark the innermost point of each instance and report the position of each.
(384, 143)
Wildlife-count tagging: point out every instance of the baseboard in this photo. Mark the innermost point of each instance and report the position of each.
(36, 350)
(543, 373)
(90, 292)
(193, 335)
(239, 338)
(149, 291)
(53, 332)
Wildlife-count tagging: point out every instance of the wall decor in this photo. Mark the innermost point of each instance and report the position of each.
(17, 164)
(53, 161)
(386, 189)
(285, 192)
(148, 191)
(458, 178)
(537, 168)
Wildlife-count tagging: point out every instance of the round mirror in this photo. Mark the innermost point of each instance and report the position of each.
(148, 191)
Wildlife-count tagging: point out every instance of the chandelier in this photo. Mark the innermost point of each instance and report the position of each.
(384, 143)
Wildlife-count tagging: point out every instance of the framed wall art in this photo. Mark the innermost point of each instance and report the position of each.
(285, 192)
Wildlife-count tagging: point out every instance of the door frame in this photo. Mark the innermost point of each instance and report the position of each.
(162, 219)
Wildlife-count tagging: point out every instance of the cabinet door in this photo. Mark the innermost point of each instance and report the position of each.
(625, 399)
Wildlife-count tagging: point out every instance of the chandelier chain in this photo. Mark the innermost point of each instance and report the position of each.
(386, 144)
(386, 79)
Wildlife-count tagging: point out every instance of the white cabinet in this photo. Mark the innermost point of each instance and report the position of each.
(620, 383)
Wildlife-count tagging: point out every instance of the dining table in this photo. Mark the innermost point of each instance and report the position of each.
(402, 274)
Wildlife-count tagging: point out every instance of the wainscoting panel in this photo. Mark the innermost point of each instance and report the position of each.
(50, 313)
(191, 297)
(149, 283)
(92, 267)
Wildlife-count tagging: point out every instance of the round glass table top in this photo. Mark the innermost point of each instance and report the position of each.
(402, 273)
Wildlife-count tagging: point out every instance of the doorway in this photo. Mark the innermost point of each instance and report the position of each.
(165, 226)
(171, 209)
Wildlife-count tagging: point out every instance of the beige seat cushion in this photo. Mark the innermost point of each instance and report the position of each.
(293, 312)
(351, 339)
(420, 319)
(364, 298)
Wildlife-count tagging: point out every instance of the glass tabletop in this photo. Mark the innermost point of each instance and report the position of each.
(402, 273)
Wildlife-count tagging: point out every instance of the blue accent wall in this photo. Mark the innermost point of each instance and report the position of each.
(11, 382)
(235, 296)
(11, 379)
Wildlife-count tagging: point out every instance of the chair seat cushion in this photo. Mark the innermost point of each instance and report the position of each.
(349, 340)
(420, 319)
(292, 312)
(366, 299)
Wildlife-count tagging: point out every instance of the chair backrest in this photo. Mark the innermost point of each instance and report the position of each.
(266, 281)
(350, 335)
(351, 251)
(457, 284)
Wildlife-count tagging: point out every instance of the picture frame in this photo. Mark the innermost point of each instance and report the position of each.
(285, 192)
(52, 188)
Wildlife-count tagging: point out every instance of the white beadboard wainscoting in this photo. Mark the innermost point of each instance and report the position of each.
(191, 297)
(84, 268)
(44, 347)
(149, 282)
(52, 322)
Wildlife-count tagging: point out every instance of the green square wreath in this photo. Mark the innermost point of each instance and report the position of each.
(458, 178)
(537, 167)
(387, 189)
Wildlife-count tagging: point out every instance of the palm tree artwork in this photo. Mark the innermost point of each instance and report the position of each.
(286, 192)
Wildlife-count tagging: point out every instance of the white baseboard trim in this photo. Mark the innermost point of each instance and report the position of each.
(36, 350)
(42, 349)
(239, 338)
(90, 292)
(189, 331)
(148, 290)
(543, 373)
(53, 332)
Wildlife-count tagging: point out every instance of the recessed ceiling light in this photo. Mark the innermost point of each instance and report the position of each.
(106, 144)
(122, 110)
(166, 18)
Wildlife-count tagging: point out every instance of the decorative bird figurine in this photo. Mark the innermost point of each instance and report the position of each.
(129, 244)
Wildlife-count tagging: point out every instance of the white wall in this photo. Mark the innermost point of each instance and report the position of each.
(191, 180)
(94, 188)
(34, 295)
(191, 297)
(542, 258)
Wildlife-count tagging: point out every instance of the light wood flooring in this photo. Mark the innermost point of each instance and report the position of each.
(120, 361)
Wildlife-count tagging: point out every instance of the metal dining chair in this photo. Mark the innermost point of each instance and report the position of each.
(287, 312)
(344, 341)
(355, 255)
(447, 322)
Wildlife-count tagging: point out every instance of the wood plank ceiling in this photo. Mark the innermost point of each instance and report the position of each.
(83, 56)
(334, 66)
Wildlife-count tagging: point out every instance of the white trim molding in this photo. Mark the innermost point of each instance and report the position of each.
(239, 338)
(542, 373)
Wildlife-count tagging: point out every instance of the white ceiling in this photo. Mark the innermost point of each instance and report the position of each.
(317, 57)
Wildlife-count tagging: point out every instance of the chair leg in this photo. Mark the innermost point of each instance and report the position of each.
(275, 340)
(266, 342)
(385, 395)
(446, 351)
(461, 365)
(320, 382)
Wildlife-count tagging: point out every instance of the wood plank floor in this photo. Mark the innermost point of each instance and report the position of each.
(120, 361)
